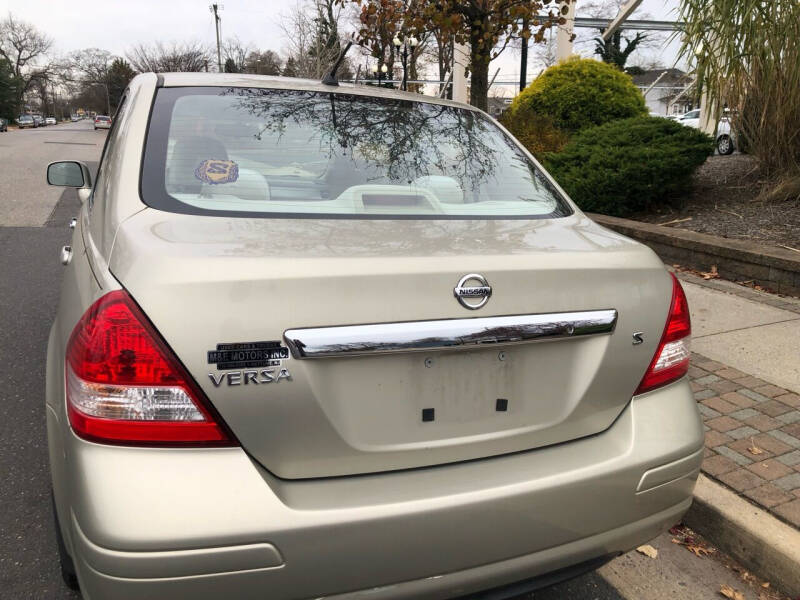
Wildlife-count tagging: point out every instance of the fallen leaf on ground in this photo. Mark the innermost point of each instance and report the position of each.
(648, 550)
(753, 449)
(765, 584)
(712, 274)
(676, 529)
(692, 546)
(698, 550)
(731, 593)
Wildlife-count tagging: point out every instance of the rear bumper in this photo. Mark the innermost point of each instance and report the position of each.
(208, 523)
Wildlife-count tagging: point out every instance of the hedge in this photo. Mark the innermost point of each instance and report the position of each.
(630, 165)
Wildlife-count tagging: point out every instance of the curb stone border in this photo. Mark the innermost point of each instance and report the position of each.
(729, 287)
(737, 260)
(751, 535)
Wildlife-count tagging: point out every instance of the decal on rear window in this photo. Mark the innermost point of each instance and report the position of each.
(216, 171)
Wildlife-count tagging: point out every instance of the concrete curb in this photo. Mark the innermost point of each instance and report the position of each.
(758, 540)
(738, 260)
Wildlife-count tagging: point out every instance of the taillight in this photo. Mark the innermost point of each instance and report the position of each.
(671, 360)
(125, 386)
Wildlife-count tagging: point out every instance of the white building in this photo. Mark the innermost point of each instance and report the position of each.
(661, 98)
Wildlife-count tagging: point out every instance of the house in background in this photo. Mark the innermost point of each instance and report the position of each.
(498, 105)
(667, 97)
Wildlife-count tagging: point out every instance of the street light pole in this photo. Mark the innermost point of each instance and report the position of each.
(412, 41)
(108, 99)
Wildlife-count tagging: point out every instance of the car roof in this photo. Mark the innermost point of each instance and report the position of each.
(294, 83)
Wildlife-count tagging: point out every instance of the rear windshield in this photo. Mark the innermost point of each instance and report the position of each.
(287, 153)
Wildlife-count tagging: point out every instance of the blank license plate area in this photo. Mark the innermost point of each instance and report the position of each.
(384, 402)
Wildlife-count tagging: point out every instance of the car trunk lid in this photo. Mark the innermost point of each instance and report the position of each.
(336, 347)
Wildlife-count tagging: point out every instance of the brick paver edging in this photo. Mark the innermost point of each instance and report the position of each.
(752, 436)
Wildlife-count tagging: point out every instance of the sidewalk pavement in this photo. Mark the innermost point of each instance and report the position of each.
(745, 375)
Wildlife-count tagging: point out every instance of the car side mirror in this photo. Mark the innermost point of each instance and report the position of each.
(70, 173)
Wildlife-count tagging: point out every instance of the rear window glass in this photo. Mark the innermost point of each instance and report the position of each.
(244, 151)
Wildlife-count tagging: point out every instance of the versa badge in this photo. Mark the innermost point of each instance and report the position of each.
(255, 377)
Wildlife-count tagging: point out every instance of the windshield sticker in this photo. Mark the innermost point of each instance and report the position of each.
(248, 355)
(215, 171)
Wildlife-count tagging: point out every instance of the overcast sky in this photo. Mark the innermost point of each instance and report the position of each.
(116, 25)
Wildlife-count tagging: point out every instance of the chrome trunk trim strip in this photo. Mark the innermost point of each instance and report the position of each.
(445, 334)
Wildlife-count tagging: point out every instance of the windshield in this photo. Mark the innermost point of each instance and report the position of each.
(297, 153)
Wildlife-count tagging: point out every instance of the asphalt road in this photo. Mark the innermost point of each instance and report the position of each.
(25, 200)
(30, 275)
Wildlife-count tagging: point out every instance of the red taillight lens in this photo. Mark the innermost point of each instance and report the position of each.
(125, 386)
(671, 360)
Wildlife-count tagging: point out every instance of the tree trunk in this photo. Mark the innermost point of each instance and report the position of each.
(479, 73)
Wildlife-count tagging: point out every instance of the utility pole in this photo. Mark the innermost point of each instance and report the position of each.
(215, 8)
(523, 58)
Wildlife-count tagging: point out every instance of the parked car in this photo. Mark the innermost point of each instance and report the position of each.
(329, 341)
(102, 122)
(50, 121)
(39, 119)
(690, 119)
(24, 121)
(3, 125)
(726, 137)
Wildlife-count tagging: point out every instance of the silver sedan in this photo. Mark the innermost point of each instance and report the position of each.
(336, 341)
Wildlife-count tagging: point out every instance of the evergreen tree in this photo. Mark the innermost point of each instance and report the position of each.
(8, 92)
(290, 68)
(119, 75)
(611, 52)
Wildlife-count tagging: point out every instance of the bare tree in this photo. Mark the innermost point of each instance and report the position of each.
(545, 53)
(90, 64)
(162, 58)
(233, 49)
(24, 47)
(444, 55)
(312, 30)
(607, 9)
(263, 63)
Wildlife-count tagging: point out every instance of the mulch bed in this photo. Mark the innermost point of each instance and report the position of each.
(724, 203)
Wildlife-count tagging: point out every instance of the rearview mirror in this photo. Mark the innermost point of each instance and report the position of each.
(69, 173)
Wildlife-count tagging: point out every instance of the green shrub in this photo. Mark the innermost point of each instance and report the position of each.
(537, 133)
(579, 93)
(630, 165)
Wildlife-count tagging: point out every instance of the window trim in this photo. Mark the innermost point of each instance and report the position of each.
(151, 188)
(114, 120)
